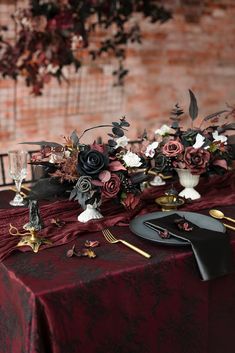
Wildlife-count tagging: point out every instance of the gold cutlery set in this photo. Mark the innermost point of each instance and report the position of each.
(219, 215)
(111, 238)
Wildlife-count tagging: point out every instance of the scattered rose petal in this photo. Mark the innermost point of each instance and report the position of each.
(78, 253)
(183, 224)
(91, 243)
(89, 252)
(71, 252)
(164, 234)
(57, 222)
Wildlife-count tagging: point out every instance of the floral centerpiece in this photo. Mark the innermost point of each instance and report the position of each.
(196, 150)
(92, 173)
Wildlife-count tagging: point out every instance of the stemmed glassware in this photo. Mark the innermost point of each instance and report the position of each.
(17, 171)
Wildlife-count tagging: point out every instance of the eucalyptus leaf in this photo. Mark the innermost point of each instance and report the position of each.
(74, 138)
(213, 115)
(115, 124)
(125, 123)
(193, 108)
(112, 143)
(117, 131)
(43, 143)
(226, 127)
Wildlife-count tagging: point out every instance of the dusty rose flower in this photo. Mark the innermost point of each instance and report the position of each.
(112, 186)
(172, 148)
(196, 159)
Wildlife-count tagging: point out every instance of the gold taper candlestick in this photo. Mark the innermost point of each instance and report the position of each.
(29, 238)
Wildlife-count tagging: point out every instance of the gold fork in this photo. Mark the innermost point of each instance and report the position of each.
(111, 239)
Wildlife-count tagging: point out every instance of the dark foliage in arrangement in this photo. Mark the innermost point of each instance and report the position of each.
(202, 150)
(175, 116)
(50, 34)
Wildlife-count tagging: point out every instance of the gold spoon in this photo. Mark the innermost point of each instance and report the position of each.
(219, 215)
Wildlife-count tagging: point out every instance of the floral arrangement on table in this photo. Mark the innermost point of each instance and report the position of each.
(92, 172)
(198, 149)
(51, 33)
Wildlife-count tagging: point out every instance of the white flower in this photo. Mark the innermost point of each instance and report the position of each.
(52, 68)
(132, 159)
(41, 70)
(221, 138)
(67, 154)
(76, 42)
(121, 141)
(26, 22)
(199, 141)
(65, 72)
(150, 150)
(165, 129)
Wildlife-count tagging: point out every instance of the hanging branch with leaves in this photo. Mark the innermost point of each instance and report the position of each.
(51, 33)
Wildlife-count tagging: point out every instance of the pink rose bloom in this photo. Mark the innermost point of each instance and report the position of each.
(172, 148)
(196, 159)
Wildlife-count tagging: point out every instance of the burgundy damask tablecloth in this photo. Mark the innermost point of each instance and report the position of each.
(119, 302)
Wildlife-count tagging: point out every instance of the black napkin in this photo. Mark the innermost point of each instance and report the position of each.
(211, 249)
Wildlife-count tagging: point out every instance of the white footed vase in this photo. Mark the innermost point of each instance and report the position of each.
(188, 181)
(89, 213)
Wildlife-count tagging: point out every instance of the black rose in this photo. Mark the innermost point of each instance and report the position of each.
(162, 163)
(188, 138)
(91, 162)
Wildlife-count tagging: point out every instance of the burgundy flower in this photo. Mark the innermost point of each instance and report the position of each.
(196, 159)
(131, 201)
(172, 148)
(112, 186)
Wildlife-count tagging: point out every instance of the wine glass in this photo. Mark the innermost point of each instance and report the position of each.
(17, 171)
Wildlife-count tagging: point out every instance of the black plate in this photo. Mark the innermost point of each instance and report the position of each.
(137, 226)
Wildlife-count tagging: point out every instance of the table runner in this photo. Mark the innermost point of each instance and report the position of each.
(215, 191)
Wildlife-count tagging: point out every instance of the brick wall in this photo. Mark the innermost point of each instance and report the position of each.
(196, 50)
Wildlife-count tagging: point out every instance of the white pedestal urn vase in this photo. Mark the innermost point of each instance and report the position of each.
(89, 213)
(189, 181)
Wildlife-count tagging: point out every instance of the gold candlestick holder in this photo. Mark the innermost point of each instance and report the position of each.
(29, 238)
